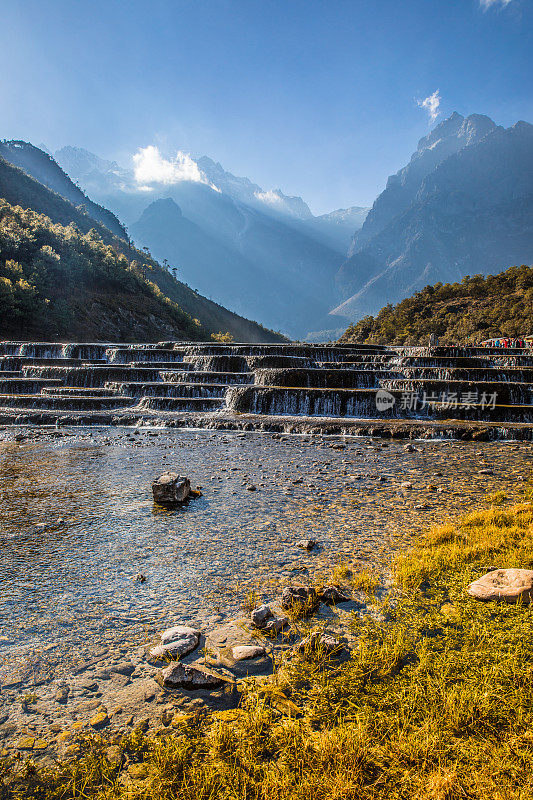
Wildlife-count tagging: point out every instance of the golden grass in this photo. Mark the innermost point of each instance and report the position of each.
(251, 599)
(365, 581)
(435, 703)
(351, 577)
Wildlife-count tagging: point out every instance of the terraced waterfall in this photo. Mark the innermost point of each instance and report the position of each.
(293, 387)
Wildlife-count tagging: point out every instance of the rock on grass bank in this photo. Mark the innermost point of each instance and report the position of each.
(435, 703)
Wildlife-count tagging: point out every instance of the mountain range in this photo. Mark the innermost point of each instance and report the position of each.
(261, 253)
(63, 272)
(462, 206)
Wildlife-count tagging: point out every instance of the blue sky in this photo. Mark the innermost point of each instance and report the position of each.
(319, 99)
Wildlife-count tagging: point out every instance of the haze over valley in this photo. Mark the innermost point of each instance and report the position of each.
(265, 256)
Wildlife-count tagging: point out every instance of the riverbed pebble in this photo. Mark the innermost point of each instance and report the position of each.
(245, 652)
(261, 615)
(306, 544)
(176, 642)
(331, 595)
(293, 596)
(180, 632)
(277, 624)
(318, 642)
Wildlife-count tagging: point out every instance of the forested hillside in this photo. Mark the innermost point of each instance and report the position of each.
(20, 189)
(58, 282)
(41, 166)
(477, 308)
(117, 309)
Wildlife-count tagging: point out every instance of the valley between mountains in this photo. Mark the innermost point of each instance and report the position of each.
(462, 206)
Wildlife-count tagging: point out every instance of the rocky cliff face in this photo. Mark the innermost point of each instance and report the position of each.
(470, 213)
(443, 141)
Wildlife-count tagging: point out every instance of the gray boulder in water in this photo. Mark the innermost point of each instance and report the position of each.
(171, 488)
(176, 642)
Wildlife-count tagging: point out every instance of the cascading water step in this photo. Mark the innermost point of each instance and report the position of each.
(322, 378)
(318, 352)
(77, 391)
(62, 403)
(225, 378)
(127, 355)
(275, 400)
(48, 350)
(20, 385)
(97, 375)
(102, 380)
(468, 362)
(279, 362)
(505, 393)
(161, 389)
(181, 403)
(475, 375)
(19, 362)
(364, 363)
(217, 363)
(363, 404)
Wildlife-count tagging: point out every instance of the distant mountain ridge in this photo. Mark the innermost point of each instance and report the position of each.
(247, 192)
(251, 262)
(134, 311)
(262, 253)
(341, 224)
(46, 170)
(444, 140)
(462, 206)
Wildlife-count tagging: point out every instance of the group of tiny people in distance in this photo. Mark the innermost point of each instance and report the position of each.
(519, 342)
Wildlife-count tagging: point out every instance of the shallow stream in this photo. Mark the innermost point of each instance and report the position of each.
(78, 524)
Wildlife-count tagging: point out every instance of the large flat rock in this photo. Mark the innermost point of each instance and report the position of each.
(504, 585)
(237, 648)
(188, 676)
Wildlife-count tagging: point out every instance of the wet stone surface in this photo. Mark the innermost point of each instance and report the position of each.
(78, 525)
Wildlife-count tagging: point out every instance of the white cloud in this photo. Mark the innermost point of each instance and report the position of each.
(431, 104)
(150, 167)
(489, 3)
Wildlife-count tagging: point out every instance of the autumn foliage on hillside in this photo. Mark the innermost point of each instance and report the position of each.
(51, 275)
(479, 307)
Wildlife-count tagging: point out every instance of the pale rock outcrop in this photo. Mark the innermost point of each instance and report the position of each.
(504, 585)
(187, 676)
